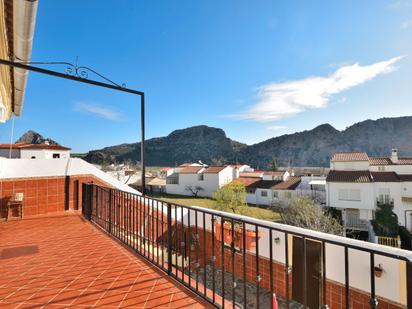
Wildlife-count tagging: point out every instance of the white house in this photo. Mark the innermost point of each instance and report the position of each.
(269, 192)
(199, 180)
(357, 184)
(34, 151)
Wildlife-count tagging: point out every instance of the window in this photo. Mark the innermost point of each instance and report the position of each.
(56, 155)
(288, 195)
(384, 196)
(264, 193)
(173, 179)
(200, 177)
(349, 195)
(33, 157)
(275, 194)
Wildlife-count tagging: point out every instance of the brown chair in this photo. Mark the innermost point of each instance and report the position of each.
(15, 203)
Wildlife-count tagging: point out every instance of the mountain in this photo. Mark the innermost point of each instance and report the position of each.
(308, 148)
(209, 145)
(32, 137)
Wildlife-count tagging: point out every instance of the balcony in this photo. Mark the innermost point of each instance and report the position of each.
(357, 224)
(127, 250)
(64, 261)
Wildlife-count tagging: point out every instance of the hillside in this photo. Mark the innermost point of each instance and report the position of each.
(308, 148)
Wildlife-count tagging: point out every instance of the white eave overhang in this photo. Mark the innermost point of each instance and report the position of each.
(24, 20)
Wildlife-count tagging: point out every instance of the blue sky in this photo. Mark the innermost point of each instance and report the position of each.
(256, 69)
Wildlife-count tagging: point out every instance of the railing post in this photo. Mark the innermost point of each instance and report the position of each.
(169, 238)
(87, 196)
(110, 210)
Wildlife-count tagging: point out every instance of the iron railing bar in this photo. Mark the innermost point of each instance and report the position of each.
(232, 245)
(222, 244)
(197, 251)
(176, 243)
(213, 260)
(305, 274)
(271, 265)
(244, 264)
(257, 268)
(324, 274)
(190, 247)
(181, 243)
(373, 301)
(287, 267)
(346, 278)
(204, 254)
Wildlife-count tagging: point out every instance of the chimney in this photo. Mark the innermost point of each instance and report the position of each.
(394, 155)
(46, 142)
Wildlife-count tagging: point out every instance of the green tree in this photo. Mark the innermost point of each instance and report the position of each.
(305, 213)
(274, 165)
(386, 221)
(231, 197)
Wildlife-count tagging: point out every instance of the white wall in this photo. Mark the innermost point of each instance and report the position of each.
(399, 169)
(210, 183)
(390, 286)
(350, 166)
(43, 153)
(26, 168)
(5, 153)
(367, 195)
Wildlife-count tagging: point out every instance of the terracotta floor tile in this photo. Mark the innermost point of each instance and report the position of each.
(66, 261)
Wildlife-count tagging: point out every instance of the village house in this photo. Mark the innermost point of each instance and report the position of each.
(34, 151)
(199, 180)
(357, 184)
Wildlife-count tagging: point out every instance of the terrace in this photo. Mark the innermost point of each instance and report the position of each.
(127, 250)
(63, 260)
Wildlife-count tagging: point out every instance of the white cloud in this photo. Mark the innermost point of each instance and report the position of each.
(100, 111)
(406, 24)
(276, 128)
(400, 4)
(285, 99)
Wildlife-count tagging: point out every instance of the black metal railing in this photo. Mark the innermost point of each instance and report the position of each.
(239, 262)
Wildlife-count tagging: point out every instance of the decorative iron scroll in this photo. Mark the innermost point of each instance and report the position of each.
(79, 71)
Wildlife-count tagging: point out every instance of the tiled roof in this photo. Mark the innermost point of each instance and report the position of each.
(388, 161)
(272, 173)
(191, 169)
(404, 161)
(349, 176)
(214, 169)
(405, 177)
(349, 156)
(33, 146)
(380, 161)
(385, 176)
(251, 174)
(290, 184)
(247, 181)
(157, 182)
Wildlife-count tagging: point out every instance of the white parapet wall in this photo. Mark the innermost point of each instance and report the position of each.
(391, 285)
(31, 168)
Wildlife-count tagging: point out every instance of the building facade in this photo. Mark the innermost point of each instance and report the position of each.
(34, 151)
(357, 184)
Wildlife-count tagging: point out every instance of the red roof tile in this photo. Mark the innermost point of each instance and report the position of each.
(191, 169)
(405, 177)
(380, 161)
(349, 156)
(349, 176)
(33, 146)
(388, 161)
(251, 174)
(385, 177)
(290, 184)
(214, 169)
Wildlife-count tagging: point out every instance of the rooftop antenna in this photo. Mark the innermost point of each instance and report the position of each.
(11, 136)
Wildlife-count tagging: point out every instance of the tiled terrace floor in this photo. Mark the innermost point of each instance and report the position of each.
(64, 261)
